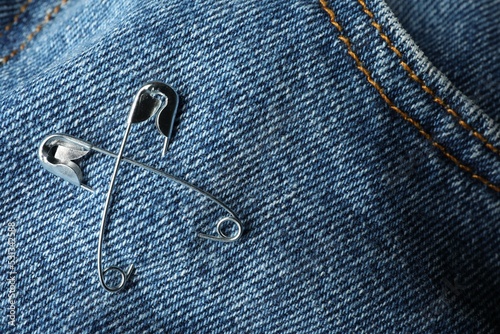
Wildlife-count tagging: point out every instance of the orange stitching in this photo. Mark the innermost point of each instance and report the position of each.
(422, 83)
(405, 116)
(16, 17)
(38, 28)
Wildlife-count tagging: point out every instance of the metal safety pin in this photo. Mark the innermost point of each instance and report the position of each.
(58, 152)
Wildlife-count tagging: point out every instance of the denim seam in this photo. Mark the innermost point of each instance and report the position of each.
(359, 64)
(32, 34)
(422, 83)
(15, 19)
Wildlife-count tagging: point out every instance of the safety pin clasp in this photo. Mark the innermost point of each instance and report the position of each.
(156, 98)
(58, 154)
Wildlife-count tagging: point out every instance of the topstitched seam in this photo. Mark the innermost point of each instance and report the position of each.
(406, 117)
(38, 28)
(422, 83)
(15, 19)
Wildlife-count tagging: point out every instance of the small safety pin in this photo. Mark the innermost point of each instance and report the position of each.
(58, 152)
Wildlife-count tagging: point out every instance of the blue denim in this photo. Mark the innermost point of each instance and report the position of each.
(368, 183)
(461, 39)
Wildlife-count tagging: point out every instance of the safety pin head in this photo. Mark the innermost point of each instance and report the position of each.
(57, 154)
(160, 99)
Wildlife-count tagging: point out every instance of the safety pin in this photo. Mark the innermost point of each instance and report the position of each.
(58, 152)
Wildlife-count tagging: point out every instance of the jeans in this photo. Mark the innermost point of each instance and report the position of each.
(367, 181)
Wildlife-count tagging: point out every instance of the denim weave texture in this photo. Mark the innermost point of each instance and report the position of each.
(368, 205)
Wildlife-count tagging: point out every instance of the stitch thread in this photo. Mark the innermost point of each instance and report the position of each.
(422, 83)
(359, 64)
(22, 9)
(38, 28)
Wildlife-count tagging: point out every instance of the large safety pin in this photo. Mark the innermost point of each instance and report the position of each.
(58, 152)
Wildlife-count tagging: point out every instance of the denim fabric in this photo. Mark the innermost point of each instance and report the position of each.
(461, 39)
(368, 184)
(8, 12)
